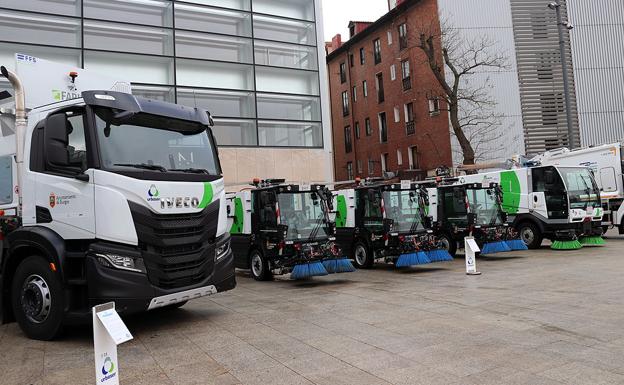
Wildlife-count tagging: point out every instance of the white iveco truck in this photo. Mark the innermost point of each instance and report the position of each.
(112, 198)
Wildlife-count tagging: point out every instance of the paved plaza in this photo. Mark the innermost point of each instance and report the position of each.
(533, 317)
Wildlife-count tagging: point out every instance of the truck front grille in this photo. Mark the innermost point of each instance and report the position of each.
(178, 249)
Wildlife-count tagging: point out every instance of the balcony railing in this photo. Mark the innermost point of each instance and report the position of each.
(410, 128)
(407, 83)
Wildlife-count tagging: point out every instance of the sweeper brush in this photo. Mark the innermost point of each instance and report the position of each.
(338, 266)
(308, 270)
(592, 241)
(439, 256)
(516, 244)
(412, 259)
(495, 247)
(566, 245)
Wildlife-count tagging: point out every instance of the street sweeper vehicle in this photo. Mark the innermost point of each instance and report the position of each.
(462, 209)
(113, 198)
(280, 228)
(379, 220)
(607, 164)
(558, 203)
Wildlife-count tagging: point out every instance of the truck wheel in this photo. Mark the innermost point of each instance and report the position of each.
(259, 266)
(37, 299)
(448, 243)
(362, 256)
(530, 235)
(604, 230)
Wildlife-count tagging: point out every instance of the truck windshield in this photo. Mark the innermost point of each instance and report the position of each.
(403, 208)
(486, 206)
(582, 188)
(304, 213)
(144, 144)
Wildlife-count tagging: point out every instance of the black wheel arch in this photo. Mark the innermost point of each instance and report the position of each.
(24, 242)
(523, 218)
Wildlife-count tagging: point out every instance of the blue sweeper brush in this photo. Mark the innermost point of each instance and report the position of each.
(342, 265)
(308, 270)
(439, 256)
(495, 247)
(516, 244)
(412, 259)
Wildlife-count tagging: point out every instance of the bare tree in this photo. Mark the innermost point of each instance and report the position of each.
(454, 62)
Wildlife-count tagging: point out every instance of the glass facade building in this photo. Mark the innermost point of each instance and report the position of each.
(256, 65)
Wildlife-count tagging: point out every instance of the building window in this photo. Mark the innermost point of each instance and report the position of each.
(371, 167)
(377, 50)
(389, 37)
(403, 36)
(343, 73)
(350, 171)
(406, 75)
(369, 129)
(357, 130)
(399, 157)
(380, 88)
(393, 72)
(360, 167)
(354, 94)
(410, 125)
(383, 128)
(413, 158)
(351, 60)
(552, 106)
(345, 103)
(362, 56)
(434, 106)
(348, 141)
(397, 115)
(384, 163)
(365, 88)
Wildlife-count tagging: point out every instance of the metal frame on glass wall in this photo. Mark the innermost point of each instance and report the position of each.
(255, 118)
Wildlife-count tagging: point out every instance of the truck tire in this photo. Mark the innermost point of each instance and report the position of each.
(259, 266)
(37, 299)
(530, 235)
(448, 243)
(362, 256)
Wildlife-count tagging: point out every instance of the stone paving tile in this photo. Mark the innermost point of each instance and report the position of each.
(577, 373)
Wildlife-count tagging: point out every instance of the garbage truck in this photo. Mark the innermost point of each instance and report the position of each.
(280, 228)
(607, 164)
(112, 198)
(387, 221)
(461, 209)
(557, 203)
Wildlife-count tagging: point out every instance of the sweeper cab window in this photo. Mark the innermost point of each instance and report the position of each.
(485, 206)
(370, 199)
(454, 206)
(305, 215)
(404, 209)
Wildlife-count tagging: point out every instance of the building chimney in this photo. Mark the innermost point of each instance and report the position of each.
(394, 3)
(335, 44)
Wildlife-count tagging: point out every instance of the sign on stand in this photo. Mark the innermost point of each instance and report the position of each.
(108, 332)
(471, 249)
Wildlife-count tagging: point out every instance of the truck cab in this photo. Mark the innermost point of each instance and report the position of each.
(120, 199)
(279, 228)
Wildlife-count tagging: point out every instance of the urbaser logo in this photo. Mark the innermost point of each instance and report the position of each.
(52, 200)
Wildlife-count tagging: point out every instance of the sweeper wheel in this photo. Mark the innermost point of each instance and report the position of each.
(362, 256)
(448, 244)
(530, 235)
(259, 266)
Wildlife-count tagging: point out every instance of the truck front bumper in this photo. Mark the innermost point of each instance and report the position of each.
(132, 291)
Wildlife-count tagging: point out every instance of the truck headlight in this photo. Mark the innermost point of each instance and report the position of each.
(121, 262)
(222, 250)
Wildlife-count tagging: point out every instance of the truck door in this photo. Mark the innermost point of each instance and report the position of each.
(8, 184)
(549, 197)
(65, 192)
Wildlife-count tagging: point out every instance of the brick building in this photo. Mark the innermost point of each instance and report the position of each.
(385, 116)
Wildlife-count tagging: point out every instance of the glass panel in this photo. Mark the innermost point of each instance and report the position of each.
(137, 69)
(287, 81)
(195, 73)
(289, 107)
(235, 132)
(212, 20)
(61, 7)
(234, 4)
(6, 180)
(286, 55)
(25, 27)
(60, 55)
(153, 12)
(128, 38)
(220, 103)
(290, 31)
(297, 9)
(280, 134)
(156, 93)
(213, 47)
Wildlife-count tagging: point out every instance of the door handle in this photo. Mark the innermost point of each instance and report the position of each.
(535, 199)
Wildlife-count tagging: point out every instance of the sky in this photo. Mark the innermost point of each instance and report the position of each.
(338, 13)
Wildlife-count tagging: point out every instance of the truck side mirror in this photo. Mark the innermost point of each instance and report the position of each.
(57, 140)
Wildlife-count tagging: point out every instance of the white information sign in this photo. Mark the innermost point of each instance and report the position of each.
(406, 185)
(471, 249)
(108, 332)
